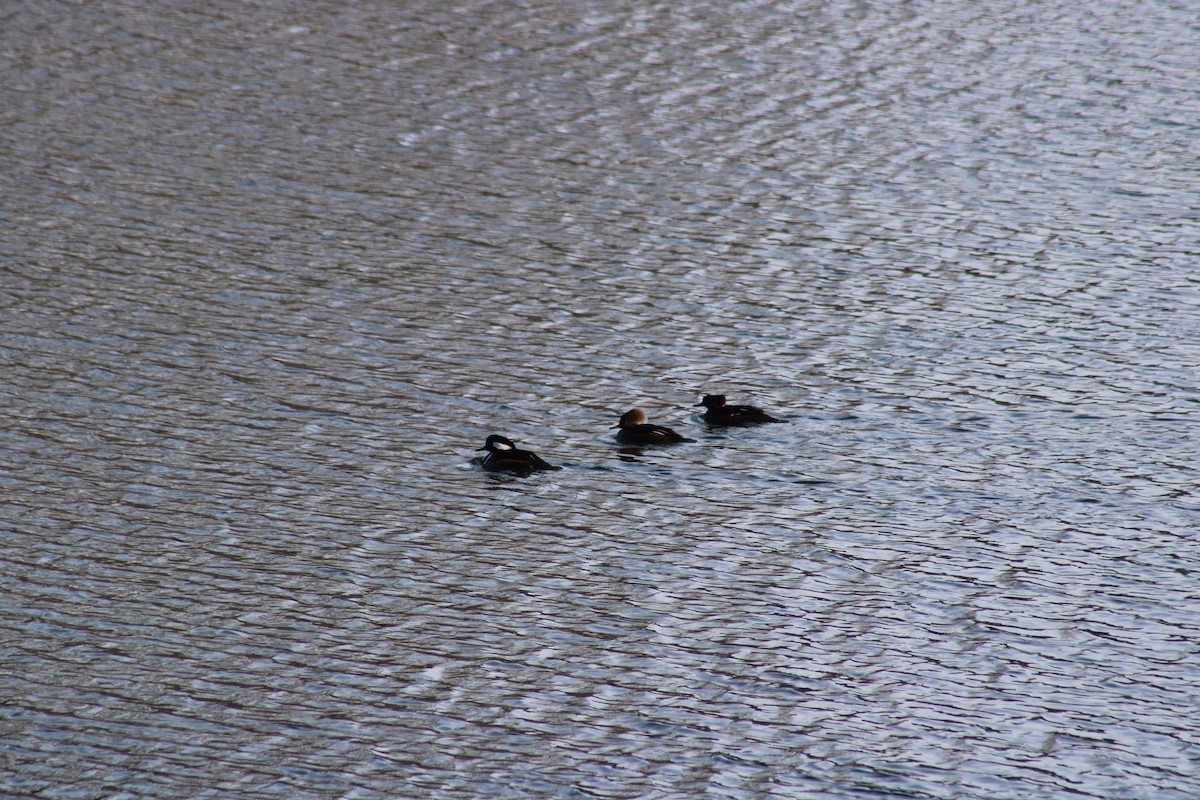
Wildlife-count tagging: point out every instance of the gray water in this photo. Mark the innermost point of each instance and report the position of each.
(271, 272)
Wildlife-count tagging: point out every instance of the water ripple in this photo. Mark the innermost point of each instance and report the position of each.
(272, 274)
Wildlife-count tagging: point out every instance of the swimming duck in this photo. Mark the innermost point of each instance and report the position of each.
(634, 430)
(502, 454)
(720, 414)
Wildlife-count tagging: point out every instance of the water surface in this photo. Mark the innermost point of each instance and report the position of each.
(269, 275)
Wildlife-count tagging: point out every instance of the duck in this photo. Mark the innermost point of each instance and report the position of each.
(503, 456)
(635, 430)
(720, 414)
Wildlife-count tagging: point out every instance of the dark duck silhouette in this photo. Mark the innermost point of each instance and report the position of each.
(719, 413)
(635, 430)
(503, 456)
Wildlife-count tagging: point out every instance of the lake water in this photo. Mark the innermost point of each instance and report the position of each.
(271, 272)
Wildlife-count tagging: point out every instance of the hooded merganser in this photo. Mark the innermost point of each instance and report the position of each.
(634, 430)
(720, 414)
(502, 454)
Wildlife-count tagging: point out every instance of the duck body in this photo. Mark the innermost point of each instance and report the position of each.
(719, 413)
(635, 430)
(503, 456)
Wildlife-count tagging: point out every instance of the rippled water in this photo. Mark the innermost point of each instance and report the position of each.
(271, 272)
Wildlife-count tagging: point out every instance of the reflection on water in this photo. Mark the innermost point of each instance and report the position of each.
(272, 274)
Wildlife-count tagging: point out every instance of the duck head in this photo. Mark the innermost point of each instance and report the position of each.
(634, 416)
(498, 444)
